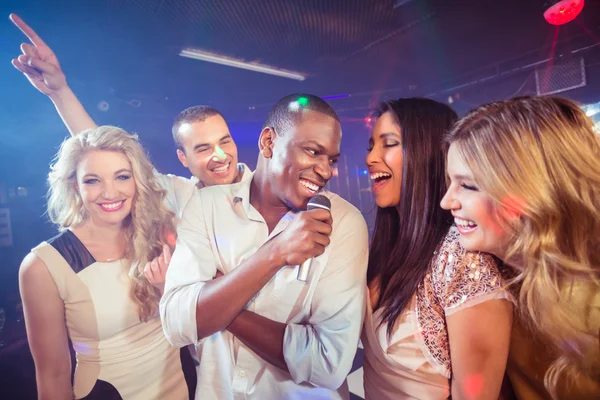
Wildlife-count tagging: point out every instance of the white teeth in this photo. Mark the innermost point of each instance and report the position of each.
(378, 175)
(112, 206)
(464, 222)
(221, 169)
(309, 185)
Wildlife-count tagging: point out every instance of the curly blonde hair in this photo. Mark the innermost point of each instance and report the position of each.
(149, 221)
(539, 158)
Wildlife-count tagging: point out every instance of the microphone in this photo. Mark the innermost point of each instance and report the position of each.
(318, 201)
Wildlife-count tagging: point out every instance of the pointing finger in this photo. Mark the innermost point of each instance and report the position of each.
(27, 30)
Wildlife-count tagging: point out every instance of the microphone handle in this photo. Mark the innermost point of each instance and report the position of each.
(304, 270)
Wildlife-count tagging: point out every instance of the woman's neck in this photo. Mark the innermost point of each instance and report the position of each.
(105, 242)
(107, 232)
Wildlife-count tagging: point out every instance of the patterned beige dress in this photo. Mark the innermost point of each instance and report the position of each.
(414, 363)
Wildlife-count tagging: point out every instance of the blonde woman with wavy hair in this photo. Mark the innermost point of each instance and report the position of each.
(90, 283)
(525, 186)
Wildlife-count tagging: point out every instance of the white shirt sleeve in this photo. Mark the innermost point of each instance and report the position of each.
(322, 350)
(179, 191)
(192, 264)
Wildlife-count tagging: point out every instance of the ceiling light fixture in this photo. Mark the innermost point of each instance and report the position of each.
(232, 62)
(564, 11)
(400, 3)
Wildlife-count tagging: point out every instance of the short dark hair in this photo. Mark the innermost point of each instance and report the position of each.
(284, 114)
(189, 115)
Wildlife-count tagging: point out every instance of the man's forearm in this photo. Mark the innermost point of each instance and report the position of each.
(71, 111)
(222, 299)
(262, 335)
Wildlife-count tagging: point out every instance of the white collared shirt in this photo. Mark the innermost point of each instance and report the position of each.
(219, 230)
(180, 189)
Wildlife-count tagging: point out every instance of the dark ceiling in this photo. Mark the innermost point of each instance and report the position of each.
(128, 50)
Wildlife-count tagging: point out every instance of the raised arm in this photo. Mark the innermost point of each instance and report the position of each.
(41, 67)
(46, 330)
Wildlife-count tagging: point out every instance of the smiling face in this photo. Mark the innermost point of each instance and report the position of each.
(302, 157)
(208, 150)
(384, 161)
(106, 185)
(474, 211)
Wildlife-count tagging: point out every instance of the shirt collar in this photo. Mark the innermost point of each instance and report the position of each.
(240, 193)
(242, 169)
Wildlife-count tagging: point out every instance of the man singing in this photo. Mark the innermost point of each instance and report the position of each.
(232, 286)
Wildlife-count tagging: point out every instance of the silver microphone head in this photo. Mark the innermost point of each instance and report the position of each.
(319, 201)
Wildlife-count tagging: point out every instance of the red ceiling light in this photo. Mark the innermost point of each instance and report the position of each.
(563, 11)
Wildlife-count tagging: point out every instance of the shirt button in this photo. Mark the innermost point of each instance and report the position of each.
(242, 374)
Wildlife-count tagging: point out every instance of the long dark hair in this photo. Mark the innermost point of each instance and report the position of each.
(405, 237)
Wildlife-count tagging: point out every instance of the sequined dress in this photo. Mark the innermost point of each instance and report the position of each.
(414, 362)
